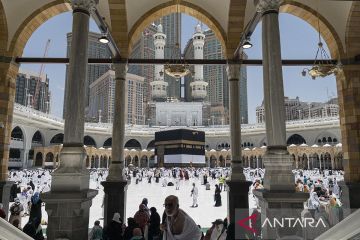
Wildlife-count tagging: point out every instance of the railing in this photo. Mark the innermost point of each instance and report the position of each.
(14, 159)
(145, 129)
(9, 232)
(17, 139)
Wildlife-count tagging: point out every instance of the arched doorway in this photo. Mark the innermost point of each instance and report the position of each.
(37, 139)
(97, 161)
(221, 161)
(57, 139)
(295, 139)
(39, 159)
(107, 143)
(92, 162)
(17, 134)
(136, 161)
(144, 162)
(49, 160)
(133, 144)
(212, 161)
(89, 141)
(127, 160)
(151, 145)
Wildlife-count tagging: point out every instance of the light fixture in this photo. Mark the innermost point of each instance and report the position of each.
(177, 68)
(247, 44)
(103, 39)
(323, 66)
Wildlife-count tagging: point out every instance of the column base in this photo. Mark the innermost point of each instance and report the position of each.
(238, 202)
(350, 197)
(68, 213)
(5, 187)
(72, 174)
(281, 205)
(278, 165)
(114, 199)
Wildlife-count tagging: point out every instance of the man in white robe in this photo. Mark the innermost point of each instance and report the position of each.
(178, 224)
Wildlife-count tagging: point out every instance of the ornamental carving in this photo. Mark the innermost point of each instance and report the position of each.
(88, 5)
(267, 5)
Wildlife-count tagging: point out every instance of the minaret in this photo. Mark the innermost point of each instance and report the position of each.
(159, 86)
(198, 86)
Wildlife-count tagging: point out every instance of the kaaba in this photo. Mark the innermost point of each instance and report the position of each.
(180, 148)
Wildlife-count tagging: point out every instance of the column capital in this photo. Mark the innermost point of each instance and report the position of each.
(263, 6)
(120, 71)
(233, 71)
(86, 5)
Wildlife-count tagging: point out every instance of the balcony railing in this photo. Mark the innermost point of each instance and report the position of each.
(31, 113)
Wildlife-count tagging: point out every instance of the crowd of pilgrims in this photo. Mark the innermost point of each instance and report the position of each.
(174, 223)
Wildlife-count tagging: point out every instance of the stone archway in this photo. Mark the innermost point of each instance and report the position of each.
(170, 7)
(311, 16)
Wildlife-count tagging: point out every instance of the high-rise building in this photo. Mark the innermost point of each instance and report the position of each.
(96, 49)
(25, 90)
(297, 110)
(144, 49)
(218, 84)
(102, 96)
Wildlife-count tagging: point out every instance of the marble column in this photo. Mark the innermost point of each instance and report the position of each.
(115, 185)
(68, 203)
(277, 160)
(238, 186)
(278, 198)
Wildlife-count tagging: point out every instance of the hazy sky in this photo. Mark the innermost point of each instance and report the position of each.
(298, 41)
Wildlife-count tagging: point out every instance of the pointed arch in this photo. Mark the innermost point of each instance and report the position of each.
(170, 7)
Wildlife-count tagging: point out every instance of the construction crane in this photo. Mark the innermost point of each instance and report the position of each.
(38, 82)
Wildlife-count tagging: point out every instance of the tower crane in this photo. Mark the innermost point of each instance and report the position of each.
(38, 82)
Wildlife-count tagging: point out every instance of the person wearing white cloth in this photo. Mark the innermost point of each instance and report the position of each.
(194, 194)
(178, 224)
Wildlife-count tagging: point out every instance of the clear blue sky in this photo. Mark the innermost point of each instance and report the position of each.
(298, 39)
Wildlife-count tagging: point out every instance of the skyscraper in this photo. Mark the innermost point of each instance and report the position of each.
(102, 96)
(25, 90)
(144, 49)
(96, 49)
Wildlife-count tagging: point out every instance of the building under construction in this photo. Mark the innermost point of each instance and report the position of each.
(26, 89)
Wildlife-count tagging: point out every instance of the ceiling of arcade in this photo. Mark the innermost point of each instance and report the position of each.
(126, 18)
